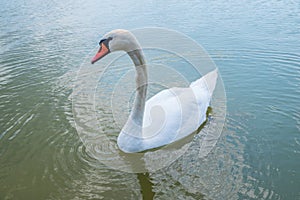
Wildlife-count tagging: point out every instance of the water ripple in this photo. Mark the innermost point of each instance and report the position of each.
(42, 156)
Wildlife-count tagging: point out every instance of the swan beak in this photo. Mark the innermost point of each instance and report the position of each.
(101, 53)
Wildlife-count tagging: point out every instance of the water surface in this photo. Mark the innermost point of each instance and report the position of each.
(255, 44)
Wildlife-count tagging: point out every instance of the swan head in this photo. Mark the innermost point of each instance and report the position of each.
(116, 40)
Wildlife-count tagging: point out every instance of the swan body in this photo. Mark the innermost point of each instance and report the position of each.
(168, 116)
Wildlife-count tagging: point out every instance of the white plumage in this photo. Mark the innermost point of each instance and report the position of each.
(168, 116)
(171, 115)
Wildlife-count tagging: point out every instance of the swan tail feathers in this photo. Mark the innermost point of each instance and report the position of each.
(209, 81)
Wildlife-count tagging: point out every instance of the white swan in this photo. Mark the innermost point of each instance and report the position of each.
(168, 116)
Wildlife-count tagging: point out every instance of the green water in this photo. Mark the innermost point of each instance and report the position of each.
(255, 45)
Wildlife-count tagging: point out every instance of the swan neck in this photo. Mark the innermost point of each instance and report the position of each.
(137, 112)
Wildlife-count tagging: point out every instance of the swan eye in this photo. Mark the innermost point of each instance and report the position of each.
(105, 40)
(101, 41)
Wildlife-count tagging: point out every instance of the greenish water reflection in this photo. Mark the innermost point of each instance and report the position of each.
(255, 46)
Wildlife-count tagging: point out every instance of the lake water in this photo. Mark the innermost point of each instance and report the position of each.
(255, 45)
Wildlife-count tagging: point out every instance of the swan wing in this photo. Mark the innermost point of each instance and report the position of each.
(177, 112)
(172, 114)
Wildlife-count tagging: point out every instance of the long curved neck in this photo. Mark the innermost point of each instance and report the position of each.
(137, 112)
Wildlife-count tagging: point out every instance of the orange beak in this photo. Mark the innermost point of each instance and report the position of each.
(101, 53)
